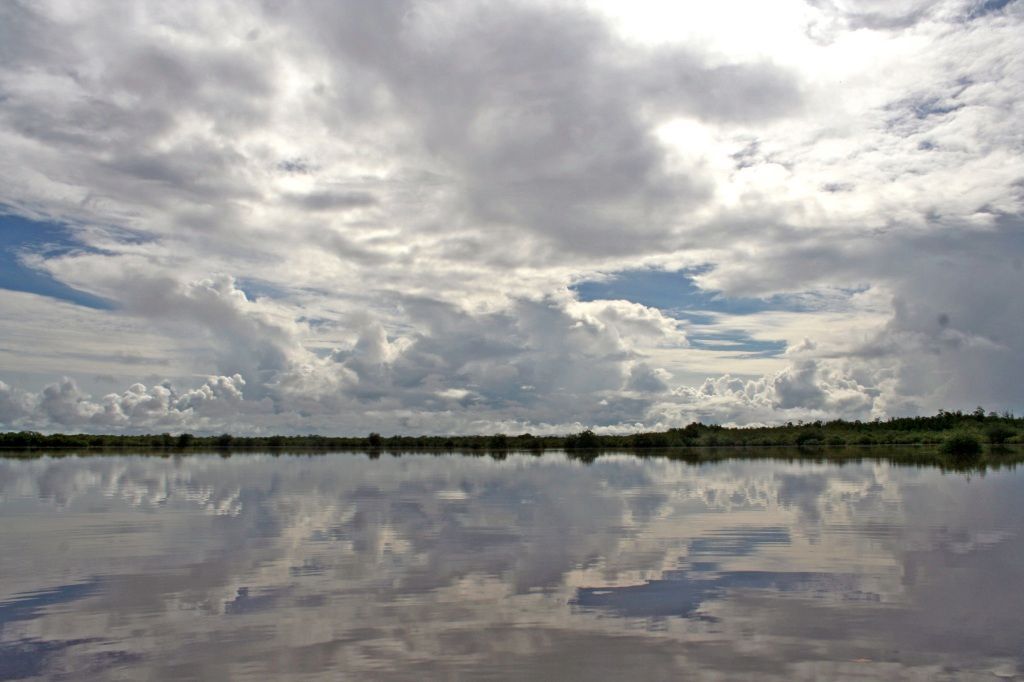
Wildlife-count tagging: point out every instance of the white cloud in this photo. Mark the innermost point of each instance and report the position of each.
(218, 401)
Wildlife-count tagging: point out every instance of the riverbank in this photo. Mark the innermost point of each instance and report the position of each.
(943, 428)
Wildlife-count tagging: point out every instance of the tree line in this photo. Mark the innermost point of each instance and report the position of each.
(977, 426)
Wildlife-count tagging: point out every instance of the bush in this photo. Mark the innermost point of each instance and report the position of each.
(998, 434)
(585, 440)
(962, 443)
(649, 440)
(809, 437)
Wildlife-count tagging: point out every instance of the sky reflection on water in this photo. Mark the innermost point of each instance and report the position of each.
(530, 567)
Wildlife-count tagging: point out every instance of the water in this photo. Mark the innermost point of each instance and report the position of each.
(539, 568)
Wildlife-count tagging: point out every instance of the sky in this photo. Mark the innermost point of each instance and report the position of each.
(424, 217)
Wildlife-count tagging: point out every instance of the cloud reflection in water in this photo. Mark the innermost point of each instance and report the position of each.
(536, 567)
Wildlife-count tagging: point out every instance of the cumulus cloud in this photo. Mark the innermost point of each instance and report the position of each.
(646, 379)
(63, 405)
(14, 404)
(804, 390)
(536, 364)
(369, 215)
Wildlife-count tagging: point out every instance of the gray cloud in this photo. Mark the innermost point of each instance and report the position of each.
(14, 404)
(877, 15)
(536, 112)
(328, 200)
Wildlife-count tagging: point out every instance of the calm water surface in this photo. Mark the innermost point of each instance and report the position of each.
(540, 568)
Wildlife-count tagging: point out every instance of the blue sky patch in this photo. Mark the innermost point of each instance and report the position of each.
(258, 288)
(677, 295)
(987, 7)
(736, 341)
(19, 235)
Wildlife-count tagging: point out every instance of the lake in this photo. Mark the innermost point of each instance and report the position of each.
(525, 567)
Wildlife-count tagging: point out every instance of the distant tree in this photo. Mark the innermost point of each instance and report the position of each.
(374, 439)
(224, 440)
(690, 433)
(185, 440)
(587, 440)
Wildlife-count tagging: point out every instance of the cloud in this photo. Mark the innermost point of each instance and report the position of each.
(875, 15)
(63, 405)
(14, 404)
(533, 112)
(645, 379)
(536, 364)
(805, 389)
(328, 200)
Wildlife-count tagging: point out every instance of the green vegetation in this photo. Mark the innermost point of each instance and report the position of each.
(957, 433)
(962, 442)
(999, 434)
